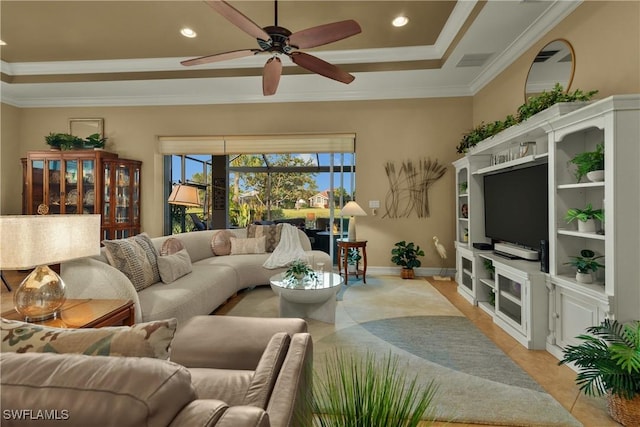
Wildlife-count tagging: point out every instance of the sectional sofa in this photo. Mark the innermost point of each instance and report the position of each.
(213, 279)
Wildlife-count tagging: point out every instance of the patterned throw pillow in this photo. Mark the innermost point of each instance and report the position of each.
(253, 245)
(221, 242)
(173, 267)
(271, 233)
(136, 257)
(171, 246)
(151, 339)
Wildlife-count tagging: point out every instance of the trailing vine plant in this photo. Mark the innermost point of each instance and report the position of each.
(534, 105)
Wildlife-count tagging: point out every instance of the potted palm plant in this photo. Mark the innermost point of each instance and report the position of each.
(353, 257)
(586, 218)
(608, 362)
(585, 264)
(406, 256)
(590, 163)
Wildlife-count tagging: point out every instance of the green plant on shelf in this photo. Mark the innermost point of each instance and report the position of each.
(586, 262)
(588, 161)
(353, 256)
(488, 265)
(584, 214)
(63, 141)
(463, 187)
(95, 141)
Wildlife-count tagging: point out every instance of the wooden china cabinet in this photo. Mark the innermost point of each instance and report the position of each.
(84, 182)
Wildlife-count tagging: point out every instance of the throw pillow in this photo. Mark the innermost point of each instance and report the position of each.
(171, 246)
(173, 267)
(271, 233)
(151, 339)
(136, 257)
(253, 245)
(221, 242)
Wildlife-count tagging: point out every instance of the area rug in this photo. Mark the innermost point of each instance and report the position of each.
(477, 382)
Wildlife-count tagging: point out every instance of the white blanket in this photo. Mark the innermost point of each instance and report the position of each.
(289, 249)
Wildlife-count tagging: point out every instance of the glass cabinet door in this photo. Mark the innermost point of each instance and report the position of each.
(135, 197)
(106, 196)
(70, 193)
(509, 300)
(122, 194)
(88, 186)
(54, 188)
(37, 185)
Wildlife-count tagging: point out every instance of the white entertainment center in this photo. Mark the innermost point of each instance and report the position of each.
(548, 310)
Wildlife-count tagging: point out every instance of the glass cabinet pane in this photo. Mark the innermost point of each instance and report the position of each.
(106, 196)
(88, 186)
(510, 298)
(71, 199)
(122, 194)
(37, 184)
(136, 195)
(53, 172)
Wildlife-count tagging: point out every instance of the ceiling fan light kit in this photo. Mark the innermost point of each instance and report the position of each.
(277, 41)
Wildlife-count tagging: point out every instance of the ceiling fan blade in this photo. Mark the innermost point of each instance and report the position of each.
(220, 57)
(271, 76)
(323, 34)
(238, 19)
(321, 67)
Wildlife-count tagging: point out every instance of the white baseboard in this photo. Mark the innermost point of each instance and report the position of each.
(421, 271)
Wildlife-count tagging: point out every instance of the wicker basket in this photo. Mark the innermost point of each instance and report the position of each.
(624, 411)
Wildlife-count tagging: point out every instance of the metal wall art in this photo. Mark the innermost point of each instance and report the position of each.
(409, 187)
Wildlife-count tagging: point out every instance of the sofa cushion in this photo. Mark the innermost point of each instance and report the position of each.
(171, 246)
(142, 340)
(228, 385)
(253, 245)
(221, 242)
(96, 390)
(271, 233)
(173, 267)
(136, 257)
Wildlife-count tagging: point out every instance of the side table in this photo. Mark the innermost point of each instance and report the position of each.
(343, 251)
(81, 313)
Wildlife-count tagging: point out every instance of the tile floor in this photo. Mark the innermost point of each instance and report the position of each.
(558, 381)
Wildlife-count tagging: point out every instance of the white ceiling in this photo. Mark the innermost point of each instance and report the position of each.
(499, 33)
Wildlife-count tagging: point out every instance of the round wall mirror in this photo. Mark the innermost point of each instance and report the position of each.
(555, 63)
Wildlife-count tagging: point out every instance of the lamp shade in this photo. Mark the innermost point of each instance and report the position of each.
(35, 241)
(352, 209)
(27, 241)
(184, 195)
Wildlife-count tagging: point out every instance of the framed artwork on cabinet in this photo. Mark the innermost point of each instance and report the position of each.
(84, 127)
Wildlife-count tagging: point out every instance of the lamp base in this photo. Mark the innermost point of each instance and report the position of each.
(352, 229)
(40, 295)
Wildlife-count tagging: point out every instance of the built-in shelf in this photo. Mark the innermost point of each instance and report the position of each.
(576, 233)
(462, 195)
(490, 283)
(581, 185)
(533, 159)
(463, 219)
(595, 290)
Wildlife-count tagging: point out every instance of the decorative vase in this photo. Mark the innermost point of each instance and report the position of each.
(588, 226)
(407, 273)
(584, 277)
(596, 176)
(624, 411)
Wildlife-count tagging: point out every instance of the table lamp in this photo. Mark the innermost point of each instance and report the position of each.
(184, 195)
(28, 241)
(352, 210)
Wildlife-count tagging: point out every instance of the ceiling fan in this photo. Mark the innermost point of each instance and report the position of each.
(277, 41)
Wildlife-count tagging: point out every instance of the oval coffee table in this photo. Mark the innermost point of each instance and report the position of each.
(310, 298)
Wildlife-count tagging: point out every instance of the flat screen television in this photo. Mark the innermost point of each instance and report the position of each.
(516, 206)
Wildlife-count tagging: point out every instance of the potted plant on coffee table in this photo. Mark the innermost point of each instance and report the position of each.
(585, 264)
(608, 362)
(406, 256)
(298, 269)
(586, 218)
(590, 163)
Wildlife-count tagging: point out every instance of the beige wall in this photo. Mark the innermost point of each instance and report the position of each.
(605, 36)
(10, 168)
(385, 131)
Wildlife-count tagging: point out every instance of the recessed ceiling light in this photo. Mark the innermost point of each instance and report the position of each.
(400, 21)
(188, 32)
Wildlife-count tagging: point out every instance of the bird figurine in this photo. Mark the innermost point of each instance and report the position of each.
(442, 251)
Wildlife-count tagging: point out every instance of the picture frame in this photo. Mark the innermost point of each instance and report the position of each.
(82, 128)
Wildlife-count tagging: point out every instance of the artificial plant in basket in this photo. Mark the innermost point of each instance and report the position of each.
(608, 362)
